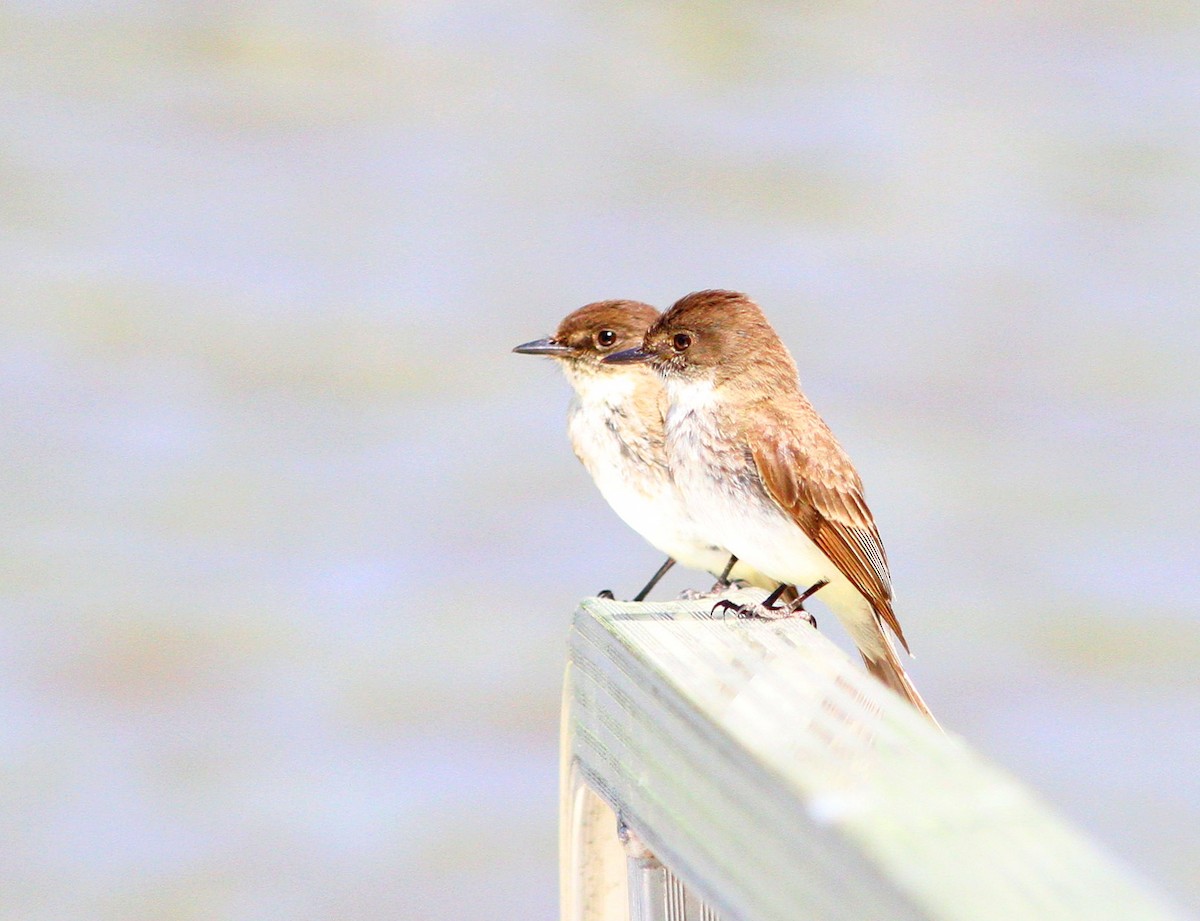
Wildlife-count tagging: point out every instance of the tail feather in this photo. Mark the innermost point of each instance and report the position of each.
(888, 669)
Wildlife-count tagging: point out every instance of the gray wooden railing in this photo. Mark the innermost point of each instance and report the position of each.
(748, 770)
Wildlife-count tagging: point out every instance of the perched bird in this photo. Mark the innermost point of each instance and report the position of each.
(761, 473)
(615, 424)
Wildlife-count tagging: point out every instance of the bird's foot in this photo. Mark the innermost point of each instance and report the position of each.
(606, 593)
(768, 609)
(771, 608)
(751, 610)
(754, 610)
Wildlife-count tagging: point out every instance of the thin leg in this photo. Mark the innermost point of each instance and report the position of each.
(769, 602)
(723, 584)
(723, 580)
(662, 571)
(797, 606)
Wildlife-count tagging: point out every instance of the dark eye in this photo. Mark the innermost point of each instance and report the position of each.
(605, 338)
(682, 342)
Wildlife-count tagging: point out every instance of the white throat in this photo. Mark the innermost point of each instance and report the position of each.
(690, 395)
(602, 387)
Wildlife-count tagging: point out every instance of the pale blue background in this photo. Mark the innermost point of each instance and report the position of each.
(291, 541)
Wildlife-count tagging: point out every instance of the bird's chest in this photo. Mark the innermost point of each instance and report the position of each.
(715, 473)
(616, 446)
(707, 460)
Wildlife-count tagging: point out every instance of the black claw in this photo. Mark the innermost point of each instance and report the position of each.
(605, 593)
(771, 603)
(741, 610)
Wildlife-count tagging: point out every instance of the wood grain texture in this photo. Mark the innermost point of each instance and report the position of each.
(779, 781)
(592, 864)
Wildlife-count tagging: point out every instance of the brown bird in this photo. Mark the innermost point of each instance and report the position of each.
(761, 473)
(615, 423)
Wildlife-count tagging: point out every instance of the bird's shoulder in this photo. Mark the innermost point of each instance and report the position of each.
(793, 440)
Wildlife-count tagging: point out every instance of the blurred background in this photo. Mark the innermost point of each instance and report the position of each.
(291, 541)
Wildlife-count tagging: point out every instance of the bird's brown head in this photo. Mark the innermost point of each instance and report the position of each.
(587, 335)
(710, 334)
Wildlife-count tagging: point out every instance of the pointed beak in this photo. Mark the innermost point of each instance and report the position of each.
(543, 347)
(627, 357)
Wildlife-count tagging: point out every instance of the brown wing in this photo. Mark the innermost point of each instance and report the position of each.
(821, 491)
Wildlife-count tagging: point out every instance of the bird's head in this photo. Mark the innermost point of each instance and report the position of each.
(708, 335)
(591, 333)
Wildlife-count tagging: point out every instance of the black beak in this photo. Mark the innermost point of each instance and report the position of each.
(543, 347)
(627, 357)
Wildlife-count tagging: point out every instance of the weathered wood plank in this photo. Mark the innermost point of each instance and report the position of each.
(593, 873)
(779, 781)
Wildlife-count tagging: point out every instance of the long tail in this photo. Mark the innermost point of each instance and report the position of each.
(889, 670)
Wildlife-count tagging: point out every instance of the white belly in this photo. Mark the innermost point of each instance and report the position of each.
(759, 534)
(634, 480)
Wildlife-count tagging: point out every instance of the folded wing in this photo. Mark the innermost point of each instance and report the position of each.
(823, 494)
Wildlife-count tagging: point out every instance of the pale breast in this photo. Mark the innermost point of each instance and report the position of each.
(719, 482)
(625, 454)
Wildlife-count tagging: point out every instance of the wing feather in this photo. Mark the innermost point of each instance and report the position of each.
(820, 490)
